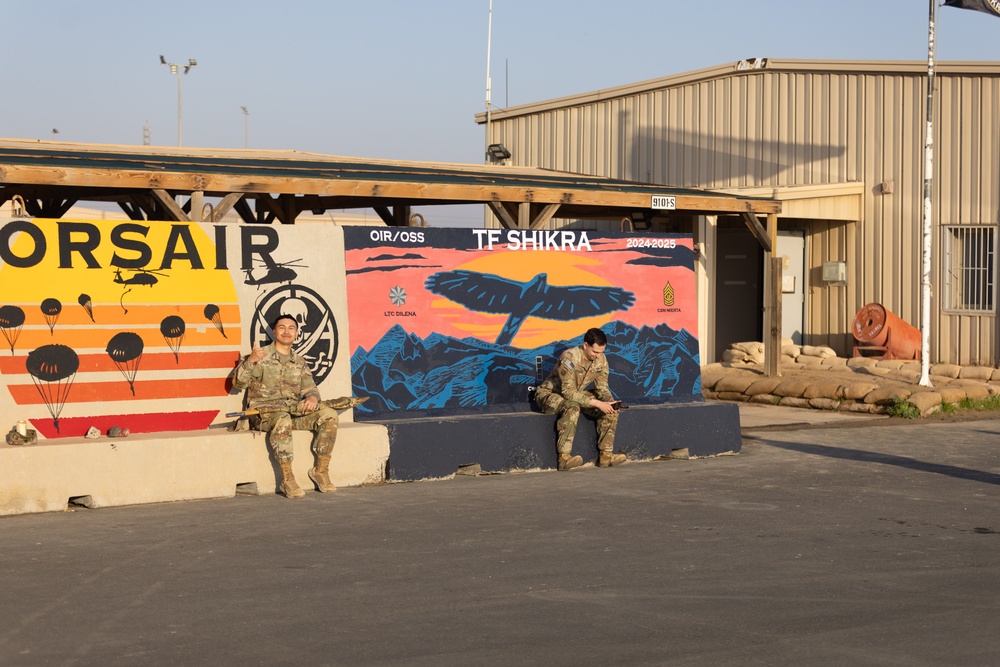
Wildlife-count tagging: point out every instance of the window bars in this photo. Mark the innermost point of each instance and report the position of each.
(969, 264)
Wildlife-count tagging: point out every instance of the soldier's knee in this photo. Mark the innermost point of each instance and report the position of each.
(570, 408)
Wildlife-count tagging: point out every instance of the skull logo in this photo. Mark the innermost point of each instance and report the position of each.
(298, 309)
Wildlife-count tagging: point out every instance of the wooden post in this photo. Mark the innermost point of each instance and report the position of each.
(772, 342)
(524, 215)
(197, 204)
(772, 304)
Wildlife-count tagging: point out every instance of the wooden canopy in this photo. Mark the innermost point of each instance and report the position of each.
(147, 182)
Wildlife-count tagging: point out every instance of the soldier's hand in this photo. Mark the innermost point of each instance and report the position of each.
(603, 406)
(308, 405)
(256, 355)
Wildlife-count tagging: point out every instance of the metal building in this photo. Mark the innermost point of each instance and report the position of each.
(841, 144)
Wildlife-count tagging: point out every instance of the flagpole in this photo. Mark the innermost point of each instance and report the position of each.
(925, 274)
(489, 38)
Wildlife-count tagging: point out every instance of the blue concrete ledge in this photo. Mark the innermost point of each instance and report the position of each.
(435, 447)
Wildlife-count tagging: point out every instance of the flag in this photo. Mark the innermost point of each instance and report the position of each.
(989, 6)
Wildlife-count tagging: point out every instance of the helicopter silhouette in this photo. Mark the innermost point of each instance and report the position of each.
(138, 277)
(277, 272)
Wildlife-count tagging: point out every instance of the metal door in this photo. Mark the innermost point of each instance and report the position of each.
(792, 250)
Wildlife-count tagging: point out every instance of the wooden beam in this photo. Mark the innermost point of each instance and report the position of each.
(47, 207)
(226, 205)
(547, 213)
(506, 219)
(132, 210)
(401, 215)
(269, 205)
(384, 213)
(245, 212)
(163, 198)
(468, 191)
(753, 224)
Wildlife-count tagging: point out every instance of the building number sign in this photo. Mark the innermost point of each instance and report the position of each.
(664, 203)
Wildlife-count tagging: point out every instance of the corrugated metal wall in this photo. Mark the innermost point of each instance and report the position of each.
(807, 123)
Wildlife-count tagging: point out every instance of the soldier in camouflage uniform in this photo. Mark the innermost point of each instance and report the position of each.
(565, 393)
(281, 386)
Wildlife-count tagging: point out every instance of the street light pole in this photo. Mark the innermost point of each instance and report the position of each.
(176, 69)
(246, 127)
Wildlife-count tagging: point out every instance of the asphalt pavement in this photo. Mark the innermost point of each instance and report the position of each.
(818, 544)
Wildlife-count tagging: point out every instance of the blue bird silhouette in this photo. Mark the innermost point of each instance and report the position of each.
(489, 293)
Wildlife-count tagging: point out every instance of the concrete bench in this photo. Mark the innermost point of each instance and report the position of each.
(436, 447)
(161, 467)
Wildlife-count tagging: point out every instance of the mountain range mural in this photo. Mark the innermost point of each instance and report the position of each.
(405, 375)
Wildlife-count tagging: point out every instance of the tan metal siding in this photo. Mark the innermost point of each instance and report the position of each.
(966, 193)
(802, 123)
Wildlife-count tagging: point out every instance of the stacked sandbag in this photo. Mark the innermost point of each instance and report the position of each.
(751, 352)
(811, 355)
(790, 352)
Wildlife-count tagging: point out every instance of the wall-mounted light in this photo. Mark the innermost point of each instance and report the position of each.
(497, 152)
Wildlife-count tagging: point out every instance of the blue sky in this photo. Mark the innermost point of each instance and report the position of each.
(403, 78)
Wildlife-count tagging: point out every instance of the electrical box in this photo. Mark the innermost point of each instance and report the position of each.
(835, 272)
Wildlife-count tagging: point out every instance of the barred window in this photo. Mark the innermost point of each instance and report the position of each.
(969, 268)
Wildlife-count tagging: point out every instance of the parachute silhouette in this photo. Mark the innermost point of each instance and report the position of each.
(52, 369)
(51, 309)
(11, 319)
(125, 349)
(172, 327)
(488, 293)
(87, 304)
(212, 313)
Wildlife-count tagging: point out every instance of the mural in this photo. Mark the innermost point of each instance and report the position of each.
(464, 321)
(140, 324)
(163, 308)
(317, 338)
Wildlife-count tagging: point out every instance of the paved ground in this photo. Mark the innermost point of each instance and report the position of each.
(840, 544)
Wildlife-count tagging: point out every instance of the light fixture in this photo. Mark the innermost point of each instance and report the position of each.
(176, 69)
(498, 152)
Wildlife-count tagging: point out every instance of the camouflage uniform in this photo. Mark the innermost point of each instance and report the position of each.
(564, 393)
(275, 386)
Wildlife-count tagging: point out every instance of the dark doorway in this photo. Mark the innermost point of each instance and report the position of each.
(739, 304)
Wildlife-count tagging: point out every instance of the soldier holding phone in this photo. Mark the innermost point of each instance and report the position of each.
(565, 393)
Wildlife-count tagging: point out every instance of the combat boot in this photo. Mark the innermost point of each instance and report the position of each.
(320, 475)
(568, 462)
(289, 486)
(608, 459)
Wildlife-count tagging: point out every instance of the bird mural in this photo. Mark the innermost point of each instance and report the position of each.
(489, 293)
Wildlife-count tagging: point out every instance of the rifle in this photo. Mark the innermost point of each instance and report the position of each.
(342, 403)
(243, 413)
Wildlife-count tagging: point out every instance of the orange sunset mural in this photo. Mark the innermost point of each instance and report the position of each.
(458, 321)
(115, 323)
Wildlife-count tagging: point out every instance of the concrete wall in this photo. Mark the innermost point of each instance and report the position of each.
(162, 467)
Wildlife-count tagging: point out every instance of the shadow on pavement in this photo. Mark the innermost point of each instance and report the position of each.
(885, 459)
